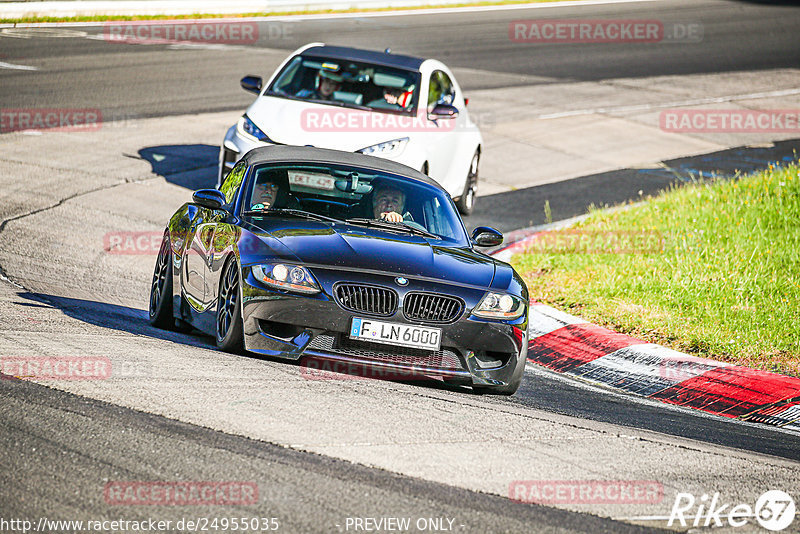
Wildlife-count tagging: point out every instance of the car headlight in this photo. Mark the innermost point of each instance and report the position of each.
(285, 276)
(248, 128)
(499, 306)
(386, 148)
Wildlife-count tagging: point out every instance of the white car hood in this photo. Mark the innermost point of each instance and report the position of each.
(292, 122)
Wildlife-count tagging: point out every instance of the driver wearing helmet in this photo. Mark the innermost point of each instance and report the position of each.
(327, 83)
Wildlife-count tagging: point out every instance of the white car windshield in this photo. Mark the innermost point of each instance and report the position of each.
(356, 196)
(348, 83)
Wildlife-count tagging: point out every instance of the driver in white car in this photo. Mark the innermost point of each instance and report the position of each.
(327, 84)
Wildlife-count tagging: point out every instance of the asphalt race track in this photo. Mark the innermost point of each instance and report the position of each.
(147, 81)
(325, 451)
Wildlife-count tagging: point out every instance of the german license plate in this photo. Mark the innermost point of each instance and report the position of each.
(404, 335)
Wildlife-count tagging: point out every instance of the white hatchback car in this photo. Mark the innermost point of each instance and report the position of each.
(407, 109)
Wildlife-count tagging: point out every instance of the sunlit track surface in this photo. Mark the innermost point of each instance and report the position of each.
(78, 445)
(81, 299)
(82, 68)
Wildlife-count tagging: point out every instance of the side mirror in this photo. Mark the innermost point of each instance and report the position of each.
(443, 111)
(483, 236)
(251, 84)
(209, 198)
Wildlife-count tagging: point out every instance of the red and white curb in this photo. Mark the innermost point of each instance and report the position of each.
(573, 346)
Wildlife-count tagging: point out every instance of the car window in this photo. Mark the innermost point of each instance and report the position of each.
(440, 90)
(348, 83)
(233, 181)
(344, 193)
(284, 82)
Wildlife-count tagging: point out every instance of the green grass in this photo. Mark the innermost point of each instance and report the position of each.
(725, 284)
(102, 18)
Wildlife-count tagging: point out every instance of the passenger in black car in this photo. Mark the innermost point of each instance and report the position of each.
(264, 195)
(271, 190)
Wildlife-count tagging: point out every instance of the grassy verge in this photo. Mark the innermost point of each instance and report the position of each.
(103, 18)
(712, 269)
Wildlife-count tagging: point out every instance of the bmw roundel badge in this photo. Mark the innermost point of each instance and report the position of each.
(401, 281)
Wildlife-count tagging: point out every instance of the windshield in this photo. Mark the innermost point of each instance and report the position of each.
(361, 197)
(349, 84)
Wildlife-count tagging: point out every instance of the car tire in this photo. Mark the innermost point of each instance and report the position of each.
(466, 202)
(229, 311)
(161, 288)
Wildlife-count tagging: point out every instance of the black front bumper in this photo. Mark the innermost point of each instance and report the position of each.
(474, 351)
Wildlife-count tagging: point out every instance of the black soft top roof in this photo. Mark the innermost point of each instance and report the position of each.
(305, 154)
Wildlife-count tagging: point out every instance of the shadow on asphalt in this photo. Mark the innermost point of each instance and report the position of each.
(545, 390)
(538, 390)
(115, 316)
(195, 167)
(771, 2)
(190, 166)
(523, 208)
(135, 321)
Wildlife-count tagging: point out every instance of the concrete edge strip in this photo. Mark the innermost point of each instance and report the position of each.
(68, 8)
(571, 345)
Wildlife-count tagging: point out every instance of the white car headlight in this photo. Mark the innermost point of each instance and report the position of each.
(247, 128)
(499, 306)
(286, 276)
(395, 146)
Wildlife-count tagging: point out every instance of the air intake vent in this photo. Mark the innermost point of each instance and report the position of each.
(366, 299)
(432, 308)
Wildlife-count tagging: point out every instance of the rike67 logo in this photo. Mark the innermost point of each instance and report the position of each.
(774, 510)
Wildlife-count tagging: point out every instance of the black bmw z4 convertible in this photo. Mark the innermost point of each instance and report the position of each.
(342, 257)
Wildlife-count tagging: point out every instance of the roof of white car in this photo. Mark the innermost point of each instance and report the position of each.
(367, 56)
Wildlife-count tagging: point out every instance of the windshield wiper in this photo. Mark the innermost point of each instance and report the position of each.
(290, 211)
(338, 103)
(358, 106)
(284, 95)
(397, 227)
